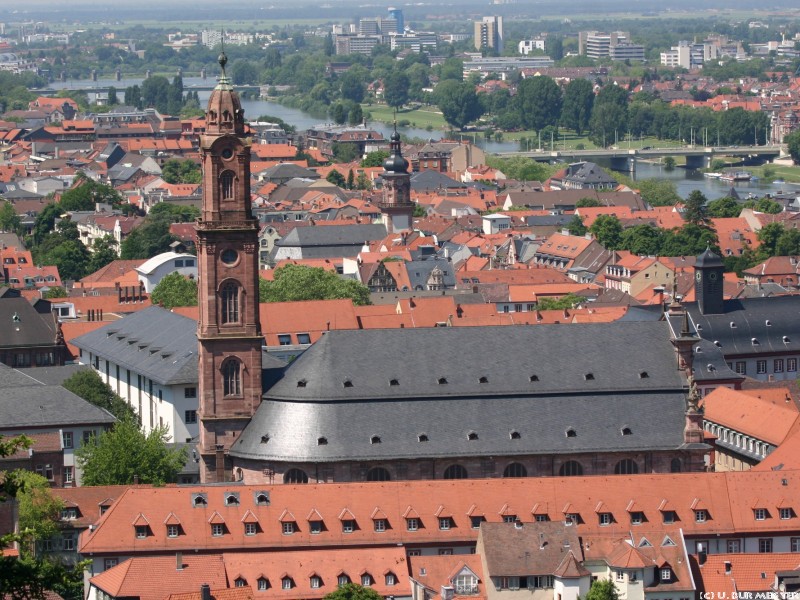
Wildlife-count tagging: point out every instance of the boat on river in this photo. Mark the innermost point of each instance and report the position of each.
(736, 176)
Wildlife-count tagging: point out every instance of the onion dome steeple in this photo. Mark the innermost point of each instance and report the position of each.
(224, 113)
(395, 163)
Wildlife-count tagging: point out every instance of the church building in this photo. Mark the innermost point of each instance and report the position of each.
(439, 403)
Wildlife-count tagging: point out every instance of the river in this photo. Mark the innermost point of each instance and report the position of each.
(685, 180)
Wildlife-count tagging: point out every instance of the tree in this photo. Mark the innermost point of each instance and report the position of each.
(116, 456)
(458, 102)
(45, 221)
(88, 385)
(395, 89)
(112, 96)
(793, 142)
(643, 240)
(538, 101)
(694, 208)
(588, 203)
(568, 301)
(39, 510)
(577, 107)
(576, 226)
(351, 180)
(69, 255)
(603, 589)
(764, 205)
(724, 207)
(374, 159)
(351, 85)
(181, 171)
(104, 251)
(353, 591)
(85, 193)
(608, 231)
(149, 239)
(9, 220)
(336, 178)
(175, 290)
(174, 213)
(609, 115)
(659, 192)
(28, 577)
(55, 292)
(297, 282)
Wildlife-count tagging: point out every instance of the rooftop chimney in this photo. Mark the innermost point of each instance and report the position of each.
(205, 592)
(179, 561)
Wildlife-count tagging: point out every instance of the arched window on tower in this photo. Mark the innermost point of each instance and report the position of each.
(232, 377)
(226, 180)
(229, 295)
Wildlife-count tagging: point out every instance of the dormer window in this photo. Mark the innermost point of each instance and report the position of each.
(700, 515)
(627, 431)
(199, 500)
(589, 377)
(533, 378)
(571, 433)
(483, 380)
(472, 436)
(262, 498)
(666, 574)
(442, 381)
(232, 499)
(141, 532)
(347, 383)
(422, 437)
(322, 441)
(394, 382)
(644, 375)
(515, 435)
(375, 439)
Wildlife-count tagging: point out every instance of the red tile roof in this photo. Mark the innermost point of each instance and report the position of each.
(155, 577)
(767, 414)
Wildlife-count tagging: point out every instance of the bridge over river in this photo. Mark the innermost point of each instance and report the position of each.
(697, 157)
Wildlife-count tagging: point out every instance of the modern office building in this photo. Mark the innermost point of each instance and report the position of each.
(489, 33)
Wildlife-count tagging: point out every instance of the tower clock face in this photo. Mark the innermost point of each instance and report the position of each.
(712, 276)
(698, 276)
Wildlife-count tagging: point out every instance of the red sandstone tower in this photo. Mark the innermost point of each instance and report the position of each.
(396, 206)
(229, 331)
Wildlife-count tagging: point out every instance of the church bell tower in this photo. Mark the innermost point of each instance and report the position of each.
(396, 206)
(228, 330)
(708, 283)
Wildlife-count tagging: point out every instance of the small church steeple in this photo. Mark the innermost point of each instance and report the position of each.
(396, 206)
(708, 283)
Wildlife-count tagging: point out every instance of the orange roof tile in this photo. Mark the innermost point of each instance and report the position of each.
(767, 414)
(154, 577)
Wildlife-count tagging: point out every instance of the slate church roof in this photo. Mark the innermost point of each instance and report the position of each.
(406, 393)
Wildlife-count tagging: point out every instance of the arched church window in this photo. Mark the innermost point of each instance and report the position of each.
(515, 470)
(232, 377)
(229, 294)
(378, 474)
(626, 467)
(226, 180)
(455, 472)
(571, 468)
(295, 476)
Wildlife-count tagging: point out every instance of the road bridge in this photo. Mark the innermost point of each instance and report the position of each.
(624, 159)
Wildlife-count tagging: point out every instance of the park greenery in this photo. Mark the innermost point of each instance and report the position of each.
(353, 591)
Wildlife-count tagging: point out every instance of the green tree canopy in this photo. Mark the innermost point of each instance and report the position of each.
(9, 220)
(85, 193)
(297, 282)
(609, 118)
(175, 290)
(608, 231)
(458, 102)
(104, 251)
(764, 205)
(577, 107)
(568, 301)
(395, 89)
(643, 240)
(588, 203)
(576, 226)
(724, 207)
(695, 209)
(658, 192)
(88, 385)
(62, 249)
(374, 159)
(538, 101)
(353, 591)
(149, 239)
(181, 171)
(793, 142)
(603, 589)
(336, 178)
(174, 213)
(39, 510)
(116, 456)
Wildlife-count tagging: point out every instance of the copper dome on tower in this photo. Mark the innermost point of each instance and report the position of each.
(224, 113)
